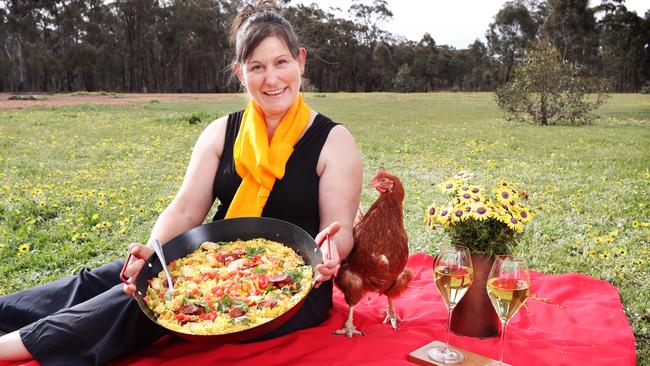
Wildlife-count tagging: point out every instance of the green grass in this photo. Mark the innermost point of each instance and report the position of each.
(78, 183)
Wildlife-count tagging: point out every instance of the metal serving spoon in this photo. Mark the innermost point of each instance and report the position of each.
(161, 257)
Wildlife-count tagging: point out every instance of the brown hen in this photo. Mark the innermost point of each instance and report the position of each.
(377, 261)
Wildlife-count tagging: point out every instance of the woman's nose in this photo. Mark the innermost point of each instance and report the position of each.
(271, 76)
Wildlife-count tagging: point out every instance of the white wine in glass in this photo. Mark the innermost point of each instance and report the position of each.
(453, 274)
(508, 286)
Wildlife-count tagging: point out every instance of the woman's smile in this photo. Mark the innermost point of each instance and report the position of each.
(275, 92)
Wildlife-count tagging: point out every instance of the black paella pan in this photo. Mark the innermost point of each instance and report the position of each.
(245, 228)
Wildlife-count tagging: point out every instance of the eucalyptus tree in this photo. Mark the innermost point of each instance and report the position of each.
(513, 30)
(479, 68)
(368, 19)
(137, 34)
(625, 47)
(20, 28)
(425, 65)
(571, 27)
(384, 68)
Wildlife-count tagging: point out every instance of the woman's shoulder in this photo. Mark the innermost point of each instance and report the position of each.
(214, 135)
(337, 130)
(339, 134)
(339, 145)
(219, 126)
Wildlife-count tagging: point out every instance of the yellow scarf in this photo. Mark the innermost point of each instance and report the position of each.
(260, 163)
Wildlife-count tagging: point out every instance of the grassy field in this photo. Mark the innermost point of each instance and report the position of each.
(78, 183)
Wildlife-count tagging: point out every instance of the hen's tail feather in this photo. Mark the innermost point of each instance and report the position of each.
(400, 283)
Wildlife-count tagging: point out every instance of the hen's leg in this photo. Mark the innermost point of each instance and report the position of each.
(391, 314)
(396, 289)
(349, 329)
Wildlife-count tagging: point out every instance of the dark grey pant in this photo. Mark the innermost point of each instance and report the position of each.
(88, 320)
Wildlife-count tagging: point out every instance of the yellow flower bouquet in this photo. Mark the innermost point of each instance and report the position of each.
(484, 221)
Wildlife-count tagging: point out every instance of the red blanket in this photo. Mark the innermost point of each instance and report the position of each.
(589, 328)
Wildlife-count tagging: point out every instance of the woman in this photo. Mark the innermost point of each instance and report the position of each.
(278, 158)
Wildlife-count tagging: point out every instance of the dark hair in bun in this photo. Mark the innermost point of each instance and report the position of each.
(254, 23)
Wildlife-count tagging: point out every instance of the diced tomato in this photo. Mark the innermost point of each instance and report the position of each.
(146, 298)
(263, 281)
(183, 318)
(209, 316)
(192, 292)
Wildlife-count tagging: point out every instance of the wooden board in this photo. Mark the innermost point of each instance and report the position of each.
(420, 357)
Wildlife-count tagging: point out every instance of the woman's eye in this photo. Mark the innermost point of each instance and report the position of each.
(256, 68)
(280, 62)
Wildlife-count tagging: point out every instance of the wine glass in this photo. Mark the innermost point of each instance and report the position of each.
(508, 286)
(453, 274)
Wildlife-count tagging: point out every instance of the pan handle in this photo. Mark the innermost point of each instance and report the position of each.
(329, 256)
(122, 278)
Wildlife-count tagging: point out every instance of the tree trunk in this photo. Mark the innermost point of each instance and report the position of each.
(20, 60)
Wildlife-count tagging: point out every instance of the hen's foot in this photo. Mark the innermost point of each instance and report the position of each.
(393, 317)
(348, 330)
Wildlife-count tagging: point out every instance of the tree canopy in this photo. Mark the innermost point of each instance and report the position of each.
(182, 46)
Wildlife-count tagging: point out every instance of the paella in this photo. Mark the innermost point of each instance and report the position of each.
(228, 287)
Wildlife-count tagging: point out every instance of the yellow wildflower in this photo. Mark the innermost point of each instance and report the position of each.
(23, 248)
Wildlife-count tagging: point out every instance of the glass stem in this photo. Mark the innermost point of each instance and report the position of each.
(450, 309)
(503, 336)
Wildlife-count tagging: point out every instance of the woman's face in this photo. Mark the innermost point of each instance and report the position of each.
(272, 76)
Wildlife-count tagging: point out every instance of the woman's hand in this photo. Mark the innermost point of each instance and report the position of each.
(331, 259)
(140, 254)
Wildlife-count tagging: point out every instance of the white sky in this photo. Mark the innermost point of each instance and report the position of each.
(452, 22)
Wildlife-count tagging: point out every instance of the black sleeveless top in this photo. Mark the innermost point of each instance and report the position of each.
(294, 198)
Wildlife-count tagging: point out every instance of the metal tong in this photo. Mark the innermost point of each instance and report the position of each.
(161, 257)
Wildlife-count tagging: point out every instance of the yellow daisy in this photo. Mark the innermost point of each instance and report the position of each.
(457, 215)
(450, 186)
(504, 195)
(466, 198)
(431, 211)
(480, 212)
(23, 249)
(463, 189)
(515, 224)
(463, 175)
(444, 217)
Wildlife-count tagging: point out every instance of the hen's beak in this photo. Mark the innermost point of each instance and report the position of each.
(381, 186)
